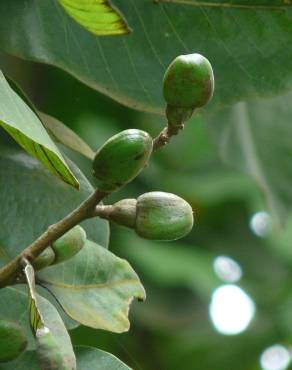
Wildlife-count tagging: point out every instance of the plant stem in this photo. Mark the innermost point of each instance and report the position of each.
(102, 211)
(165, 135)
(10, 272)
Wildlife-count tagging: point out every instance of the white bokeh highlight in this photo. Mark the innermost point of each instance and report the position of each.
(231, 309)
(276, 357)
(227, 269)
(260, 224)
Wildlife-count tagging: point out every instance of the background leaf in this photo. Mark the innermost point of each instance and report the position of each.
(25, 127)
(94, 287)
(91, 358)
(97, 16)
(27, 360)
(255, 137)
(245, 44)
(88, 358)
(171, 264)
(32, 199)
(66, 136)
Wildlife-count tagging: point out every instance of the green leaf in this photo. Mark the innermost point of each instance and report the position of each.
(66, 136)
(28, 360)
(89, 358)
(14, 307)
(55, 326)
(97, 16)
(248, 50)
(95, 288)
(54, 346)
(24, 126)
(255, 137)
(32, 199)
(58, 335)
(35, 316)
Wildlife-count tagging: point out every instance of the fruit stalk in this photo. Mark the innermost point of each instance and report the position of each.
(165, 135)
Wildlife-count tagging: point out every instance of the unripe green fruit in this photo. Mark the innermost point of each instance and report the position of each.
(69, 244)
(155, 215)
(121, 158)
(12, 340)
(48, 351)
(188, 84)
(163, 216)
(188, 81)
(46, 258)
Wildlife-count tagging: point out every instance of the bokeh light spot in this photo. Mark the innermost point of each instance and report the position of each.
(260, 223)
(276, 357)
(227, 269)
(231, 309)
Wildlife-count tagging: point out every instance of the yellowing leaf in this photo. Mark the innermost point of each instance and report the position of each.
(97, 16)
(95, 288)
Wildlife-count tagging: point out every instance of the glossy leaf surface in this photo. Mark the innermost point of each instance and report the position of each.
(24, 126)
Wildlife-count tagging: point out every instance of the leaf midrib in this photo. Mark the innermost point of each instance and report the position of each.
(109, 284)
(227, 5)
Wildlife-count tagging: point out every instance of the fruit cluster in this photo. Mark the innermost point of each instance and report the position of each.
(188, 84)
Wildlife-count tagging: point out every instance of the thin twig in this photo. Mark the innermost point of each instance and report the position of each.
(165, 135)
(102, 211)
(9, 272)
(12, 272)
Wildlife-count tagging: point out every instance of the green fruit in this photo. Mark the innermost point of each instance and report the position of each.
(48, 351)
(155, 215)
(69, 244)
(121, 158)
(46, 258)
(163, 216)
(188, 84)
(12, 340)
